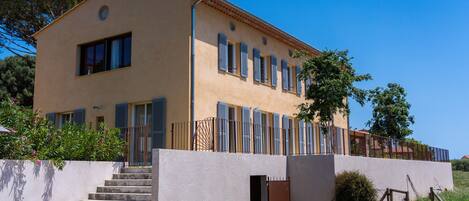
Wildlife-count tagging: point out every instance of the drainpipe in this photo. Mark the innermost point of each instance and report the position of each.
(193, 63)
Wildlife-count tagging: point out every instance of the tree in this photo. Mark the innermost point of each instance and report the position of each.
(391, 116)
(20, 19)
(17, 79)
(330, 79)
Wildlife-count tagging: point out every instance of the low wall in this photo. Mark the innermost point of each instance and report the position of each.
(208, 176)
(40, 181)
(314, 176)
(414, 176)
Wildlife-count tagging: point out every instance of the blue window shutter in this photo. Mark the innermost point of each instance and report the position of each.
(298, 81)
(284, 75)
(246, 119)
(301, 136)
(222, 120)
(52, 117)
(121, 115)
(273, 65)
(222, 52)
(257, 132)
(79, 116)
(158, 123)
(286, 130)
(244, 59)
(276, 134)
(308, 83)
(257, 64)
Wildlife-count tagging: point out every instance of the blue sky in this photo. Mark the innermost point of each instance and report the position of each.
(422, 45)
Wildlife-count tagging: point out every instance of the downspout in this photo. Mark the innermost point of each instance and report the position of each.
(193, 64)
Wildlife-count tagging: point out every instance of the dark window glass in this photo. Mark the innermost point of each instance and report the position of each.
(230, 58)
(89, 60)
(99, 58)
(106, 54)
(127, 51)
(263, 73)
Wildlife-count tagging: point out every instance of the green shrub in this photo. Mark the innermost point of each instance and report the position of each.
(353, 186)
(36, 139)
(462, 165)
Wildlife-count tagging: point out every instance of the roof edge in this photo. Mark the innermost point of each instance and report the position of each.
(34, 35)
(259, 24)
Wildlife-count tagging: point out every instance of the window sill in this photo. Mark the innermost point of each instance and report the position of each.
(104, 72)
(232, 74)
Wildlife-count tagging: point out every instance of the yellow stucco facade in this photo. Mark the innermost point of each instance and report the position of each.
(160, 66)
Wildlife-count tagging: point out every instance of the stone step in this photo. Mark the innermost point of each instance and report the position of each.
(136, 170)
(128, 182)
(120, 196)
(132, 176)
(124, 189)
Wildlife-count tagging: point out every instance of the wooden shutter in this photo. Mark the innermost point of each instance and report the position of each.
(257, 132)
(246, 119)
(52, 117)
(222, 121)
(222, 52)
(273, 66)
(244, 59)
(257, 64)
(284, 66)
(298, 81)
(79, 116)
(276, 130)
(158, 123)
(286, 130)
(301, 136)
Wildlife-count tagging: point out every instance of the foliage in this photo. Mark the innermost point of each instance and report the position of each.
(17, 79)
(332, 79)
(20, 19)
(353, 186)
(37, 139)
(461, 165)
(391, 116)
(461, 188)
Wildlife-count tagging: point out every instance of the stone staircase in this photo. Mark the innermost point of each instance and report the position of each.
(131, 184)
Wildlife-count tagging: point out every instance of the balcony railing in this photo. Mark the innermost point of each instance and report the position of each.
(220, 135)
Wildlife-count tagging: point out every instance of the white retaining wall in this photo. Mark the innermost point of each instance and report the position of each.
(22, 180)
(314, 176)
(208, 176)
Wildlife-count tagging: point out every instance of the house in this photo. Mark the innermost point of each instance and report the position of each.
(156, 63)
(465, 157)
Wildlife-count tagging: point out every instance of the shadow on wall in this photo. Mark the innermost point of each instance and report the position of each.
(13, 179)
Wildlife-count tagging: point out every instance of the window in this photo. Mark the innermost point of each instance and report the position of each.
(231, 58)
(106, 54)
(232, 120)
(65, 118)
(99, 121)
(263, 70)
(289, 79)
(142, 115)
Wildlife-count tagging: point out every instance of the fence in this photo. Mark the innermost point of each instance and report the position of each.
(220, 135)
(364, 144)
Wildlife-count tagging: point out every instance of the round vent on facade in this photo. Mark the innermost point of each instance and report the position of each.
(103, 12)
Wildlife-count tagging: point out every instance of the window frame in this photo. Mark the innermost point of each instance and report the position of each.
(61, 118)
(84, 69)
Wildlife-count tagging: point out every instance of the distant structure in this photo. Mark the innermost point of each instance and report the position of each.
(465, 157)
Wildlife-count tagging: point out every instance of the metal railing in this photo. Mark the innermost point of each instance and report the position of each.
(138, 145)
(363, 144)
(220, 135)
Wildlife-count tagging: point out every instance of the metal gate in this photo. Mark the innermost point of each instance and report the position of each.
(278, 189)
